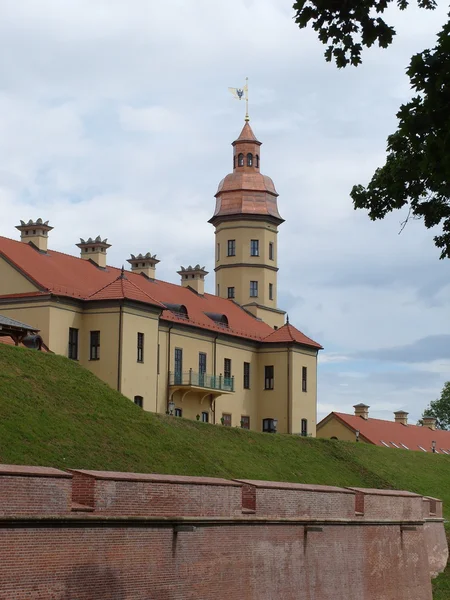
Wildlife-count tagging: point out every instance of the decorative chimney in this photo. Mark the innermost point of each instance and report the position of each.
(361, 410)
(194, 277)
(401, 417)
(94, 250)
(35, 233)
(144, 263)
(429, 422)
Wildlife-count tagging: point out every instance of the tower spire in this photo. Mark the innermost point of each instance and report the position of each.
(247, 118)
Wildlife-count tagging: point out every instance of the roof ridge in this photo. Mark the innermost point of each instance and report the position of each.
(122, 277)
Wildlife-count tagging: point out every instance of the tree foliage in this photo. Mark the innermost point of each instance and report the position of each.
(417, 169)
(348, 25)
(440, 408)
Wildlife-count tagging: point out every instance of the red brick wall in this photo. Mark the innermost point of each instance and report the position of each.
(246, 562)
(391, 504)
(188, 539)
(33, 491)
(157, 495)
(437, 549)
(289, 500)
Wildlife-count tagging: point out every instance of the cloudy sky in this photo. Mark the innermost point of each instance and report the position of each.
(115, 119)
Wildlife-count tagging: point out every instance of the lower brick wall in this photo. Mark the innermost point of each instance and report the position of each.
(245, 562)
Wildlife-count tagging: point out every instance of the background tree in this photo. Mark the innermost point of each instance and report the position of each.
(440, 409)
(417, 169)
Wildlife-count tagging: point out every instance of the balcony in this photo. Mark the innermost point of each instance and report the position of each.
(202, 380)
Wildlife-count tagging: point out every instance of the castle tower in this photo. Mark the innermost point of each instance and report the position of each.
(246, 222)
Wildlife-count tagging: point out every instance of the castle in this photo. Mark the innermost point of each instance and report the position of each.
(230, 358)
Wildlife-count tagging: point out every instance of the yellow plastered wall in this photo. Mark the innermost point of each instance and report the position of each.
(62, 317)
(242, 402)
(334, 428)
(140, 378)
(13, 282)
(272, 318)
(105, 320)
(273, 404)
(304, 404)
(239, 277)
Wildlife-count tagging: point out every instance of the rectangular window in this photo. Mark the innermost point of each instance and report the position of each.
(178, 366)
(73, 343)
(270, 250)
(139, 401)
(304, 427)
(205, 417)
(140, 347)
(201, 368)
(94, 353)
(231, 248)
(304, 378)
(231, 292)
(226, 419)
(218, 252)
(178, 412)
(227, 368)
(254, 247)
(218, 289)
(268, 377)
(270, 291)
(245, 422)
(253, 289)
(246, 376)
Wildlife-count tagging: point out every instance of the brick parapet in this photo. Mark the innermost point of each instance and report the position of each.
(34, 490)
(157, 495)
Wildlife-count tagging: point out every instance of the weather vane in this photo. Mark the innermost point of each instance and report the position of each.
(240, 93)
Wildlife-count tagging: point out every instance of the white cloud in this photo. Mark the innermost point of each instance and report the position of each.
(150, 119)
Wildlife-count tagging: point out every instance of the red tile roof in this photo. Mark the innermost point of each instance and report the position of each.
(246, 134)
(289, 333)
(377, 431)
(66, 275)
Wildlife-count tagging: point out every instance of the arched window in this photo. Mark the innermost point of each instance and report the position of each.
(139, 401)
(304, 427)
(249, 159)
(257, 161)
(241, 160)
(234, 162)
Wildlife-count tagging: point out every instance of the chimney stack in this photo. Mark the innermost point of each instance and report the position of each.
(401, 417)
(429, 422)
(145, 264)
(361, 410)
(94, 250)
(35, 233)
(193, 277)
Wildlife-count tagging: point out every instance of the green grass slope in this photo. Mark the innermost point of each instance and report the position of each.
(54, 412)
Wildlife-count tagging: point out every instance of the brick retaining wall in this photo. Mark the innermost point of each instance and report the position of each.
(151, 537)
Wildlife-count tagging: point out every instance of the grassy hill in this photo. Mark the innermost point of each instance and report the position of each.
(54, 412)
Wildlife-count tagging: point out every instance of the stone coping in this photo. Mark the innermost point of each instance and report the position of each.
(155, 478)
(27, 471)
(88, 520)
(376, 492)
(305, 487)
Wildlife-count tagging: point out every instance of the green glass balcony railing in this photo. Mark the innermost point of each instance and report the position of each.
(203, 380)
